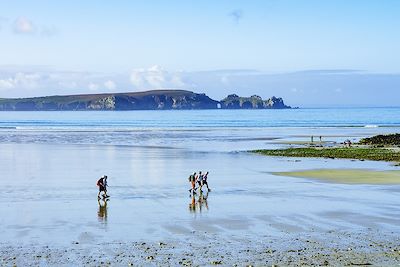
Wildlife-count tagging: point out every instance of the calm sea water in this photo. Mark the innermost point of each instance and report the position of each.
(205, 130)
(349, 117)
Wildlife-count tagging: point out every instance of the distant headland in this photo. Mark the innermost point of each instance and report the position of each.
(148, 100)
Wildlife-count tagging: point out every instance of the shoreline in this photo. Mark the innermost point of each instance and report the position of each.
(388, 154)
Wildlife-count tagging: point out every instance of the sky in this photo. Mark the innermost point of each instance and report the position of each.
(311, 52)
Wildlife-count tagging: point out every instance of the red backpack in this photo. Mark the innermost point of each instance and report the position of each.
(99, 182)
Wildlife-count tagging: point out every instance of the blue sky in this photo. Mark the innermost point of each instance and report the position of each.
(61, 47)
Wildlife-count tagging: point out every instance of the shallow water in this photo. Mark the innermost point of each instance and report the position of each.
(50, 195)
(50, 162)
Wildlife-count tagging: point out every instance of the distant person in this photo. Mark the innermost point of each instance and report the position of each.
(205, 177)
(347, 143)
(192, 181)
(101, 185)
(200, 180)
(312, 139)
(105, 185)
(320, 139)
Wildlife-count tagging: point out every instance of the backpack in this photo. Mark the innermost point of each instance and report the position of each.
(99, 182)
(190, 178)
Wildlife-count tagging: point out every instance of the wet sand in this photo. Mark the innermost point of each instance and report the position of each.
(51, 215)
(204, 249)
(348, 176)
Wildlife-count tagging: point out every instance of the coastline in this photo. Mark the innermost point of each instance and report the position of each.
(356, 153)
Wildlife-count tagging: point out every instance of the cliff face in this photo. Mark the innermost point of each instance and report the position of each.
(159, 99)
(150, 100)
(253, 102)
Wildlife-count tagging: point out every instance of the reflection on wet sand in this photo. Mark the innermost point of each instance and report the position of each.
(102, 212)
(200, 203)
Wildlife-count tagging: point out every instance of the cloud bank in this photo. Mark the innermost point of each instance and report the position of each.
(156, 77)
(320, 88)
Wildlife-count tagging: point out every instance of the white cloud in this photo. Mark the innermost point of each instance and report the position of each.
(6, 84)
(23, 25)
(93, 86)
(110, 85)
(21, 80)
(156, 77)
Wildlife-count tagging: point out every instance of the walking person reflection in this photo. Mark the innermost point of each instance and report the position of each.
(102, 212)
(202, 201)
(192, 204)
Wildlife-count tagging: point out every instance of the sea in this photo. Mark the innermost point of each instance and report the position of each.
(50, 162)
(227, 130)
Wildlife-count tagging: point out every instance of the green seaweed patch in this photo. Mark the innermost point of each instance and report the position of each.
(382, 140)
(360, 153)
(347, 176)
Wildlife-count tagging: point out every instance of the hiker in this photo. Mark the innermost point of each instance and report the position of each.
(347, 143)
(105, 185)
(100, 184)
(205, 176)
(200, 180)
(192, 180)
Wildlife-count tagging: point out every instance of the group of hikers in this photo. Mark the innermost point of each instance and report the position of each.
(200, 179)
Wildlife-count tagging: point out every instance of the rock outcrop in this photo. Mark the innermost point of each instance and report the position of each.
(254, 102)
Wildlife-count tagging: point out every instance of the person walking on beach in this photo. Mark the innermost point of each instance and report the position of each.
(105, 186)
(200, 180)
(100, 184)
(192, 180)
(205, 177)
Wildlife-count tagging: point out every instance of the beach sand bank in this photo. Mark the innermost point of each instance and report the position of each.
(348, 176)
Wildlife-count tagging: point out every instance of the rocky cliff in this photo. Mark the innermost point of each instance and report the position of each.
(149, 100)
(157, 99)
(253, 102)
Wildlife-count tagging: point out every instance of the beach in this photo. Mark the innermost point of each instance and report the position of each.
(252, 216)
